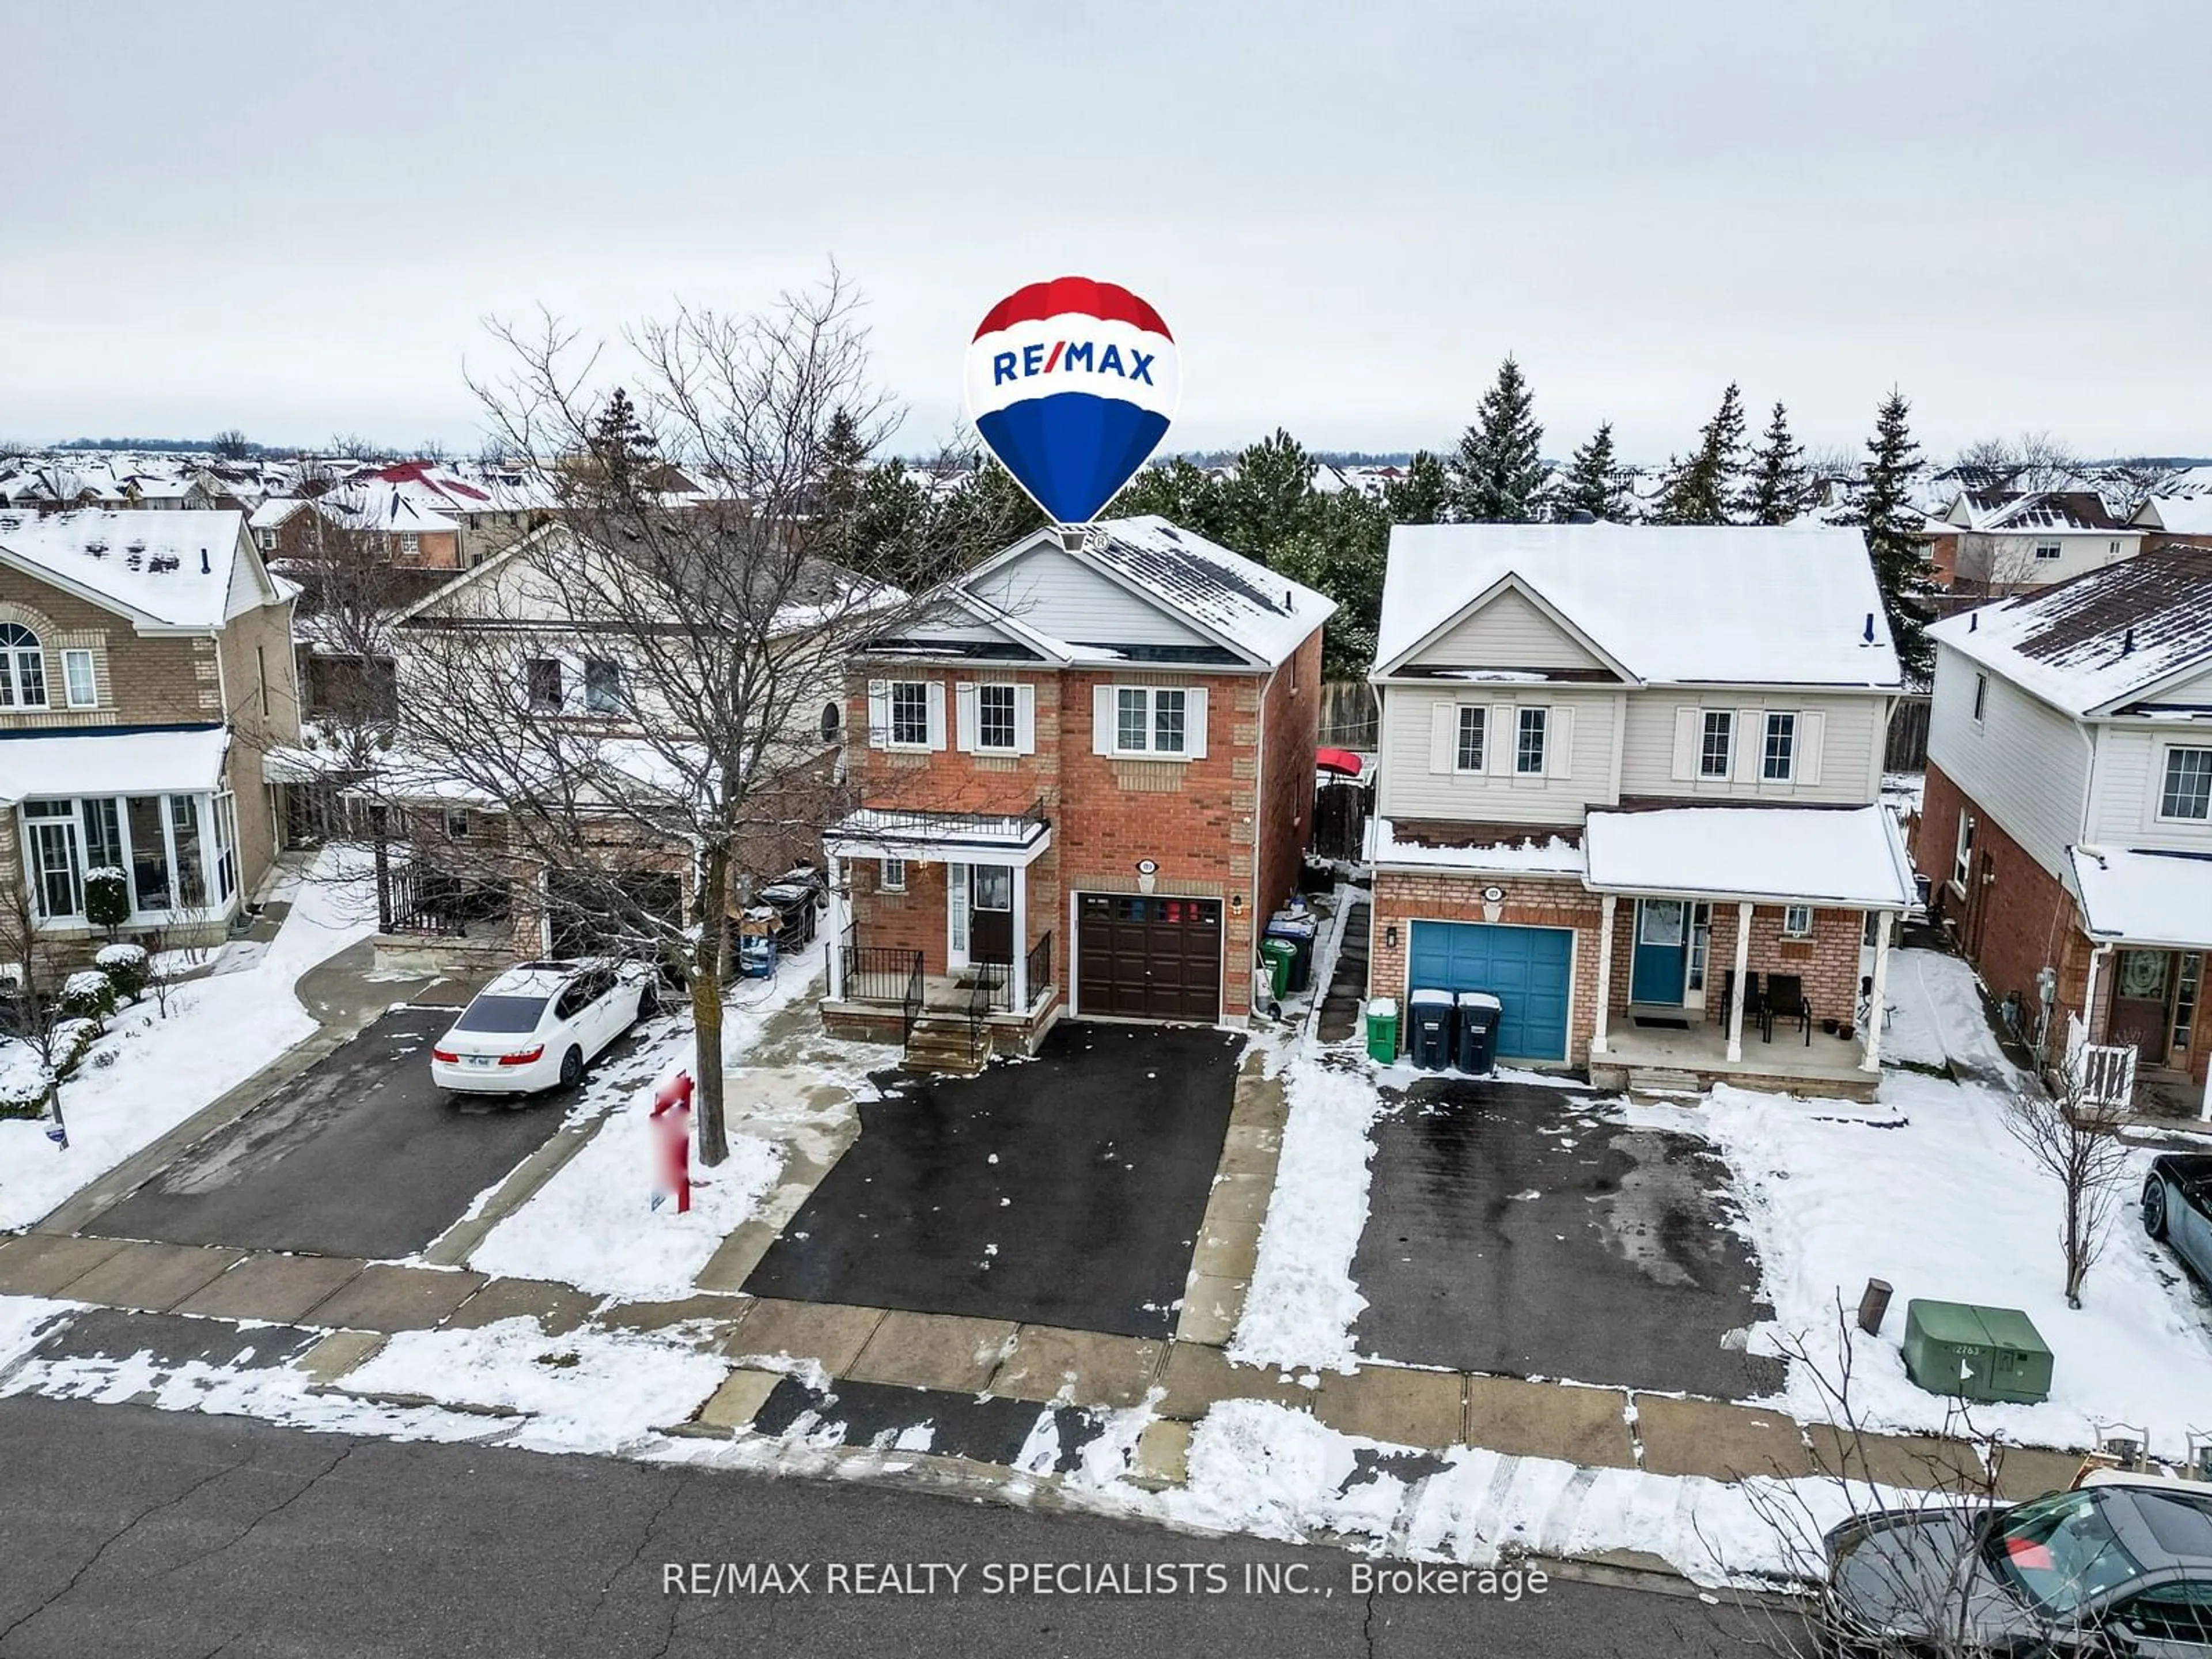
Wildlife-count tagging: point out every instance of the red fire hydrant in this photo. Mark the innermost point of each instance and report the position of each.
(671, 1121)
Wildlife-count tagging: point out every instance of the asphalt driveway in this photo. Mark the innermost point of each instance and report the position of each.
(1512, 1230)
(1064, 1190)
(358, 1156)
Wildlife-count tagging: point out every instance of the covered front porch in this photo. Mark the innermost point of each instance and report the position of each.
(2146, 1039)
(1744, 943)
(940, 939)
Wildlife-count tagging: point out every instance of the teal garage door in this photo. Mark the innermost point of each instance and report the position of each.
(1528, 970)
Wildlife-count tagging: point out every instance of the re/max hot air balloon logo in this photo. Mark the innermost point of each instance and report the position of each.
(1073, 383)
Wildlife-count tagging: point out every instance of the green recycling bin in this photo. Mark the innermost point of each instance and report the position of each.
(1383, 1031)
(1278, 954)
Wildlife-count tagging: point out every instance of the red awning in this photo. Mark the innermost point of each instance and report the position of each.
(1337, 760)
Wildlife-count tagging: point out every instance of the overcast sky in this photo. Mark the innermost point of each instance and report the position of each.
(294, 219)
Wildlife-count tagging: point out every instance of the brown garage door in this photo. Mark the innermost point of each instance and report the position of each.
(1147, 957)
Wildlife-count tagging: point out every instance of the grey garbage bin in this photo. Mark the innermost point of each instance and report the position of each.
(1429, 1034)
(1478, 1014)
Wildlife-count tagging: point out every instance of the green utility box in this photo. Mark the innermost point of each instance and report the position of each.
(1383, 1031)
(1975, 1353)
(1279, 957)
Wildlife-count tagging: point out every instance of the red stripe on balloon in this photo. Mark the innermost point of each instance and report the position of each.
(1108, 302)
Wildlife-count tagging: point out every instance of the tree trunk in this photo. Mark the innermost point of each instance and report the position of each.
(707, 1005)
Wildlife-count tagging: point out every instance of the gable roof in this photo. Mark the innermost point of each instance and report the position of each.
(161, 569)
(2177, 515)
(1677, 604)
(2063, 511)
(2100, 641)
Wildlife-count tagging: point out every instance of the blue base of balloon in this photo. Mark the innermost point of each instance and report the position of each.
(1073, 450)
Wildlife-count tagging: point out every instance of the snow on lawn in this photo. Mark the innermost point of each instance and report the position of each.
(593, 1225)
(1301, 1302)
(149, 1074)
(1946, 1205)
(587, 1391)
(1936, 1017)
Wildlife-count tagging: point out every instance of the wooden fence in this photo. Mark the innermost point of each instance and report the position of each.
(1349, 716)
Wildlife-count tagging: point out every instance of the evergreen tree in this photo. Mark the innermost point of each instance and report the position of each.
(1498, 476)
(1422, 494)
(1885, 511)
(622, 446)
(1181, 493)
(1779, 488)
(1594, 482)
(1703, 489)
(1271, 496)
(1340, 548)
(988, 513)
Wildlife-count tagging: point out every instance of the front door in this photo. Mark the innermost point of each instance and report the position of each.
(991, 913)
(1662, 936)
(2141, 999)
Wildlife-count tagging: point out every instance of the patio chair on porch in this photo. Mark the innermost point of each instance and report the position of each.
(1785, 996)
(1755, 1004)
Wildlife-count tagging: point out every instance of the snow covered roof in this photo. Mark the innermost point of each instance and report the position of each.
(377, 504)
(2062, 511)
(163, 569)
(1675, 604)
(2100, 639)
(1238, 600)
(178, 760)
(1471, 849)
(1850, 856)
(2145, 897)
(2177, 515)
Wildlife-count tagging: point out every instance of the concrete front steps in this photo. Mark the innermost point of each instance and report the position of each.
(945, 1045)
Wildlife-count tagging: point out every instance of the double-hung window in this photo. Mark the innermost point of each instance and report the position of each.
(1531, 730)
(1468, 755)
(1151, 719)
(2187, 793)
(1962, 853)
(1716, 742)
(994, 718)
(77, 676)
(1796, 922)
(603, 687)
(910, 713)
(1778, 761)
(891, 877)
(542, 675)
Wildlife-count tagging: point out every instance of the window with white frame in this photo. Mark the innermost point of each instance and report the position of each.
(410, 547)
(1796, 922)
(1151, 719)
(1981, 698)
(1531, 728)
(910, 713)
(1469, 753)
(23, 668)
(2187, 792)
(1962, 854)
(1778, 761)
(77, 676)
(893, 878)
(994, 718)
(2046, 551)
(1716, 742)
(161, 844)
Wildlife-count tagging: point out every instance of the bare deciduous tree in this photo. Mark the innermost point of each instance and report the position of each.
(2072, 1139)
(2030, 462)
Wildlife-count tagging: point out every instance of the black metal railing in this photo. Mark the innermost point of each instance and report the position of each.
(1036, 971)
(880, 973)
(413, 898)
(991, 989)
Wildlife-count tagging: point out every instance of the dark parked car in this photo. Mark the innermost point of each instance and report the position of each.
(2176, 1207)
(2120, 1566)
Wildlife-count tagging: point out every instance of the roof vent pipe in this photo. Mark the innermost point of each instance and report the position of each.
(206, 569)
(2127, 643)
(1867, 638)
(1973, 622)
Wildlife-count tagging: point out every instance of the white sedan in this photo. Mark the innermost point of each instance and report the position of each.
(539, 1025)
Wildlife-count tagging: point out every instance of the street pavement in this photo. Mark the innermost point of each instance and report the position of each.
(133, 1531)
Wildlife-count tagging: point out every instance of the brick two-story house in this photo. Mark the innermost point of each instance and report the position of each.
(1087, 782)
(2067, 826)
(1622, 769)
(145, 673)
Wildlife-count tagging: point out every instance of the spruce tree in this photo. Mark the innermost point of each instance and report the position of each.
(1498, 476)
(1885, 510)
(1779, 488)
(1594, 482)
(1178, 491)
(622, 446)
(1270, 497)
(1422, 494)
(1703, 489)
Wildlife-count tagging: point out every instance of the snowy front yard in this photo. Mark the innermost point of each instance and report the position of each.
(148, 1074)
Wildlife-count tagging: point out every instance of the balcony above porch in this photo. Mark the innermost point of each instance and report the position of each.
(925, 837)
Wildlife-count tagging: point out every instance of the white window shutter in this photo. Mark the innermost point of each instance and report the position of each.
(1102, 720)
(1025, 719)
(964, 717)
(879, 712)
(937, 713)
(1750, 744)
(1194, 722)
(1501, 741)
(1812, 733)
(1689, 740)
(1444, 736)
(1559, 742)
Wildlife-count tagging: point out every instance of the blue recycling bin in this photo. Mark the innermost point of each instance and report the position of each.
(1298, 933)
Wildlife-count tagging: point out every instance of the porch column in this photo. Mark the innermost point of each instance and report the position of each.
(1604, 971)
(2089, 995)
(1875, 1003)
(1021, 974)
(1736, 979)
(838, 910)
